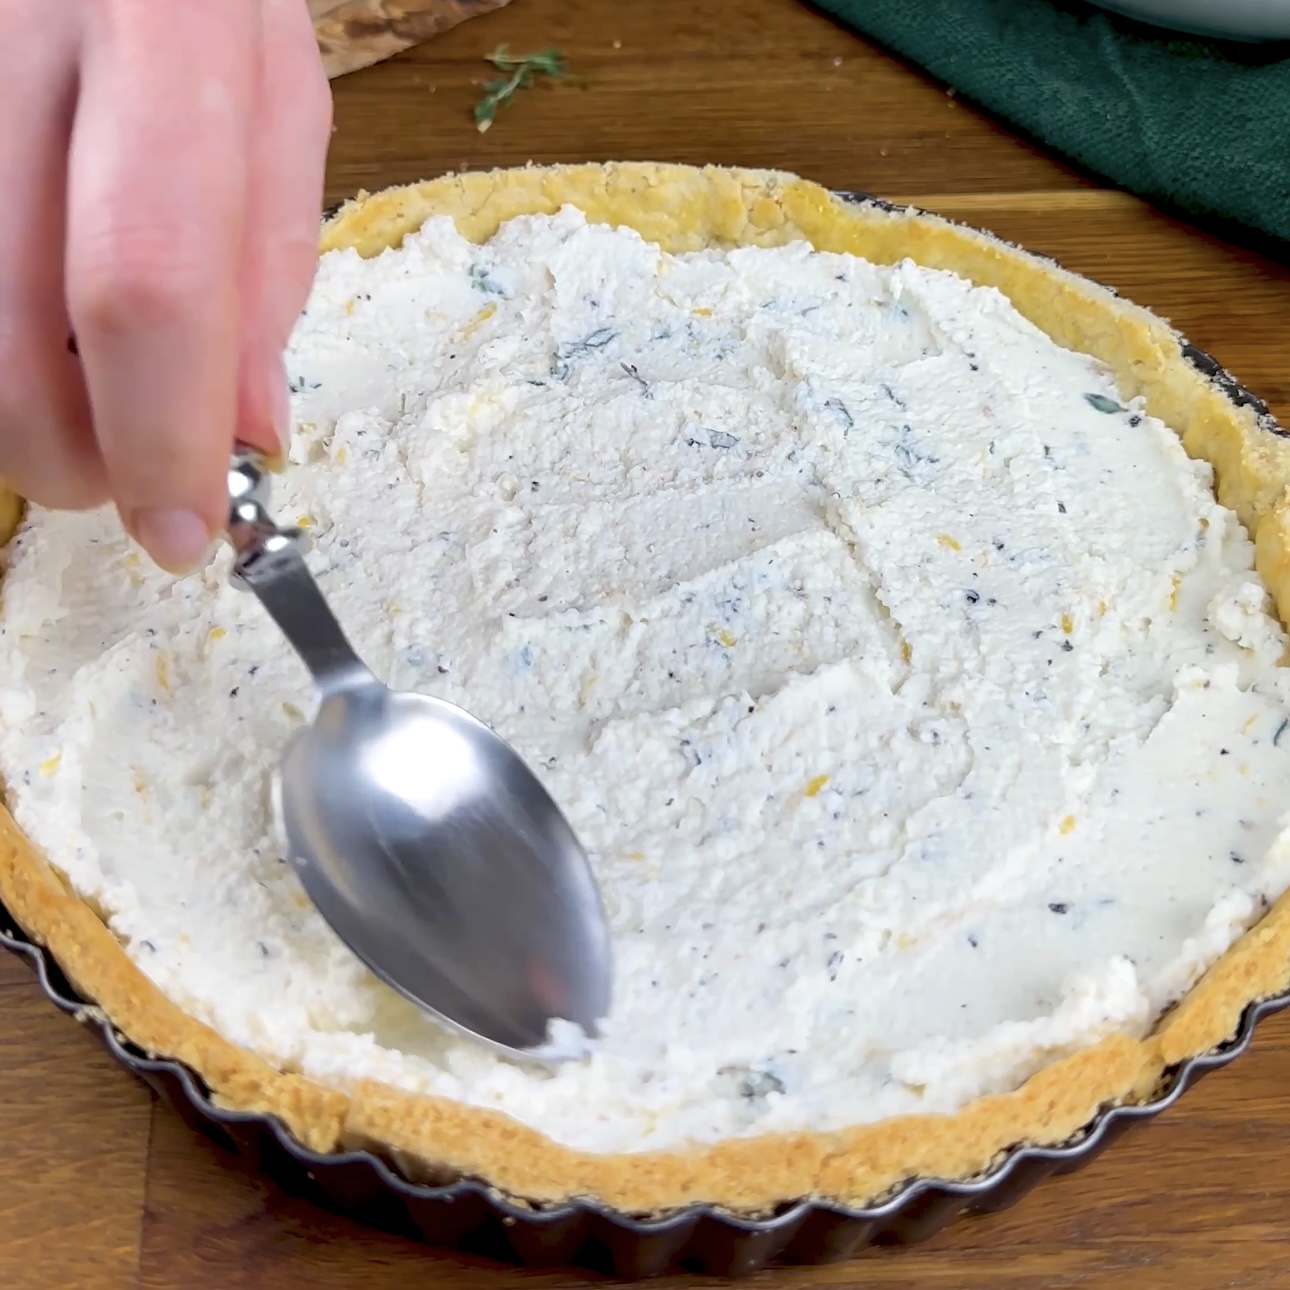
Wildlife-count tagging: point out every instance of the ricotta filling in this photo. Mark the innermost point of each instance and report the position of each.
(915, 699)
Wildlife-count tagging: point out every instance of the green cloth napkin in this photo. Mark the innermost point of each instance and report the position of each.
(1200, 126)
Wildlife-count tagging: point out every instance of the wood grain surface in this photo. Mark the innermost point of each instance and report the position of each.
(357, 33)
(104, 1190)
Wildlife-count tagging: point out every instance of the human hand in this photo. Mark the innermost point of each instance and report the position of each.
(162, 168)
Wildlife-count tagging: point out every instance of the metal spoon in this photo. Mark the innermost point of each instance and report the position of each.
(424, 840)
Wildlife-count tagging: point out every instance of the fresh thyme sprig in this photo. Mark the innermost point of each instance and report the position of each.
(521, 71)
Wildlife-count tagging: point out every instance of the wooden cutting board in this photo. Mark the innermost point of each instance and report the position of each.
(103, 1189)
(357, 33)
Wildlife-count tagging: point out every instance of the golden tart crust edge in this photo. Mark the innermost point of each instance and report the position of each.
(432, 1139)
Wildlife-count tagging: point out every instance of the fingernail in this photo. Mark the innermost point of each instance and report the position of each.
(176, 540)
(280, 403)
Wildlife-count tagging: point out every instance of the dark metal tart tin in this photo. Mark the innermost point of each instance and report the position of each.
(470, 1215)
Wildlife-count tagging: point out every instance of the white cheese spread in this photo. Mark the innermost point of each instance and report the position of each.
(915, 699)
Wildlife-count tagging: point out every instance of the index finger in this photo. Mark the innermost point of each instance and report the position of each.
(156, 199)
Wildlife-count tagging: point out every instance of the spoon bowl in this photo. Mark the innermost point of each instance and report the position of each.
(435, 854)
(422, 837)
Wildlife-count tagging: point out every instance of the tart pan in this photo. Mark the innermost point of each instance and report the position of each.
(471, 1216)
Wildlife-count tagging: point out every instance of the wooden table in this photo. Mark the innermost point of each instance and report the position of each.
(104, 1190)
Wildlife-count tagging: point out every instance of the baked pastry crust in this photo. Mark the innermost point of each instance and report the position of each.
(434, 1140)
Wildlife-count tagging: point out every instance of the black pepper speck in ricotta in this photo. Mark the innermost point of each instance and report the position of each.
(915, 699)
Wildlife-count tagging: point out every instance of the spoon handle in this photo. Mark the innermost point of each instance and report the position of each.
(269, 561)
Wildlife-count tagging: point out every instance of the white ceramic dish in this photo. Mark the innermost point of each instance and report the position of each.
(1233, 19)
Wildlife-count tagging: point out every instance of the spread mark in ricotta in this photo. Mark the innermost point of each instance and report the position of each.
(915, 699)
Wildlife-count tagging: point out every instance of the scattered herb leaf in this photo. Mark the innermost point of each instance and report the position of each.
(630, 369)
(843, 413)
(520, 72)
(481, 281)
(1102, 403)
(571, 349)
(759, 1083)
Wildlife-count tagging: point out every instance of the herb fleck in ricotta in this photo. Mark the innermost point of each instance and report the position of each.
(914, 697)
